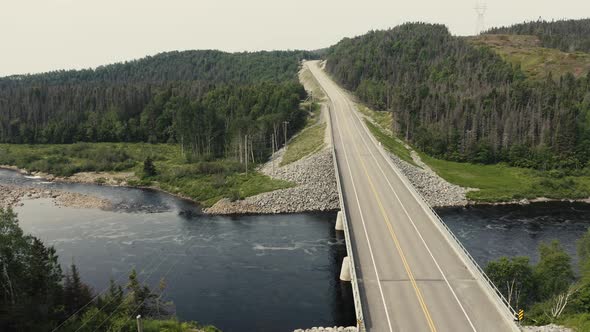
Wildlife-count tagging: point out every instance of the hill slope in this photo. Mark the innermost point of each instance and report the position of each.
(206, 100)
(536, 62)
(565, 35)
(460, 102)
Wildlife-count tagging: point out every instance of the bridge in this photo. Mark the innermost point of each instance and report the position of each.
(408, 271)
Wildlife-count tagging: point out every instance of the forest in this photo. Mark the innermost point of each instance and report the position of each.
(212, 103)
(461, 102)
(565, 35)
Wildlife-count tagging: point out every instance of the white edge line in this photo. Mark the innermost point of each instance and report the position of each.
(415, 228)
(462, 255)
(366, 233)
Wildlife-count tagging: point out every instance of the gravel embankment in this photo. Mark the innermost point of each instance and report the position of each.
(546, 328)
(12, 196)
(436, 191)
(329, 329)
(315, 188)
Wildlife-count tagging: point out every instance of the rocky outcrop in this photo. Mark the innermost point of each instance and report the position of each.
(314, 190)
(12, 196)
(329, 329)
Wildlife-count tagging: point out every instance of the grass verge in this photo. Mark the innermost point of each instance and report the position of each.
(310, 140)
(310, 82)
(204, 181)
(382, 118)
(392, 144)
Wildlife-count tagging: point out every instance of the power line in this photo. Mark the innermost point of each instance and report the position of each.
(121, 275)
(143, 302)
(145, 279)
(111, 300)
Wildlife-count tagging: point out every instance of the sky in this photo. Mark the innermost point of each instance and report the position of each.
(44, 35)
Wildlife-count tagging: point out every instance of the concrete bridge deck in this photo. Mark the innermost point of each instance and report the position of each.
(411, 274)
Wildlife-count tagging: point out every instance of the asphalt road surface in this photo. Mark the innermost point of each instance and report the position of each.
(410, 276)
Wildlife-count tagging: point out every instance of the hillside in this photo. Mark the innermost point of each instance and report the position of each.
(461, 102)
(535, 61)
(565, 35)
(205, 100)
(198, 65)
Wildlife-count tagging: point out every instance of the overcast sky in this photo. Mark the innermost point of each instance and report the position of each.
(42, 35)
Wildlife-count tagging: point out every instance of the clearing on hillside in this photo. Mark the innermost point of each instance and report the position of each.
(536, 61)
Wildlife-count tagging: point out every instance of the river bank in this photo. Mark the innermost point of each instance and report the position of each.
(453, 184)
(440, 193)
(315, 189)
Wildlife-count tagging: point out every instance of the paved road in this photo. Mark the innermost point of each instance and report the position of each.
(410, 277)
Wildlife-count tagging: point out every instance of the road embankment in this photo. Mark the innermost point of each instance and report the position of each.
(315, 189)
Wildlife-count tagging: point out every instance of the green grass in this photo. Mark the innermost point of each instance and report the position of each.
(499, 182)
(578, 322)
(172, 325)
(496, 183)
(310, 140)
(311, 83)
(392, 144)
(536, 62)
(205, 181)
(382, 118)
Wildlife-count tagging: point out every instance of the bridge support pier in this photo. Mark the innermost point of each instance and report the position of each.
(345, 270)
(339, 222)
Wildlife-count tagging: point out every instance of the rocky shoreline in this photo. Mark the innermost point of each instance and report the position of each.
(12, 196)
(315, 189)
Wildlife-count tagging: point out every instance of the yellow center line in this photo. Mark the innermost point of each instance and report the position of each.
(396, 241)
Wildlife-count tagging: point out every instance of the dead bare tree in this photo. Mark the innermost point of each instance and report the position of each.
(513, 291)
(560, 302)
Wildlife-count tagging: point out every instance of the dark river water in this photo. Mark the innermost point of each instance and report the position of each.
(254, 273)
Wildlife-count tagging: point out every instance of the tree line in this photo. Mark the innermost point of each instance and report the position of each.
(565, 35)
(212, 103)
(462, 102)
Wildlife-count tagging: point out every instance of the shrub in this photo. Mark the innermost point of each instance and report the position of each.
(149, 169)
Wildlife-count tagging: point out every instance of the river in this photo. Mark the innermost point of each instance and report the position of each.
(254, 273)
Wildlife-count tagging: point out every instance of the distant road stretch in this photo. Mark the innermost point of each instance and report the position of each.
(410, 277)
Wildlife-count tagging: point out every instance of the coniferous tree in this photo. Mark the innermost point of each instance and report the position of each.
(76, 293)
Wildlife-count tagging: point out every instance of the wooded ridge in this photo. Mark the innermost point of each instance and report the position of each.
(566, 35)
(462, 102)
(213, 103)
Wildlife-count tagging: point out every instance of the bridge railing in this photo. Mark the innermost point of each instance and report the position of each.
(488, 281)
(475, 267)
(354, 280)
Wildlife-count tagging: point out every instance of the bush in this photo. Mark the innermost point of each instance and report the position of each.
(234, 195)
(149, 169)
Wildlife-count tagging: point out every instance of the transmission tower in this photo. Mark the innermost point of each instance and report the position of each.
(480, 25)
